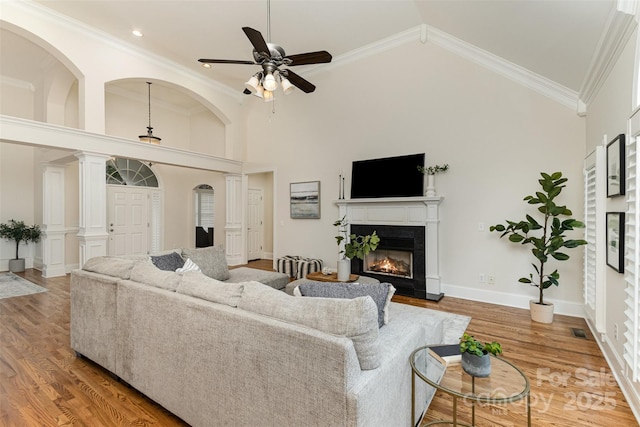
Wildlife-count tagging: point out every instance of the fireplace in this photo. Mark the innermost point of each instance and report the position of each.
(408, 229)
(398, 260)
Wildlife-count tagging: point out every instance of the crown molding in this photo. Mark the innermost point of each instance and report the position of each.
(121, 45)
(620, 25)
(516, 73)
(425, 34)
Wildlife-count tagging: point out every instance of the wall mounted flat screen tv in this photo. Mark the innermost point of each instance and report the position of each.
(388, 177)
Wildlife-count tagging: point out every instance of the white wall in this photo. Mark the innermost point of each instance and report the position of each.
(608, 116)
(495, 135)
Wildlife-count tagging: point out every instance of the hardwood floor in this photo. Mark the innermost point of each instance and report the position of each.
(43, 383)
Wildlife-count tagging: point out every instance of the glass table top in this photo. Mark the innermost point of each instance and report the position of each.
(507, 383)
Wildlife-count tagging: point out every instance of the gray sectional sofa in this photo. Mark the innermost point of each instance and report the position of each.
(245, 354)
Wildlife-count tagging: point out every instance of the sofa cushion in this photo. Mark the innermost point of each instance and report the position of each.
(270, 278)
(211, 260)
(198, 285)
(381, 294)
(110, 266)
(356, 319)
(147, 273)
(169, 262)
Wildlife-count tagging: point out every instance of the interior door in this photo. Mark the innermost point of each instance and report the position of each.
(255, 233)
(128, 221)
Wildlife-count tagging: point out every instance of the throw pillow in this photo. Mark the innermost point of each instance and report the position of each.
(351, 318)
(188, 266)
(169, 262)
(211, 260)
(381, 294)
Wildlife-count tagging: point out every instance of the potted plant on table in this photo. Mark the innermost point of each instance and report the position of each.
(475, 355)
(430, 172)
(19, 232)
(546, 238)
(355, 246)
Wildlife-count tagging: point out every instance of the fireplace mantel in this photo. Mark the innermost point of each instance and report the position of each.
(408, 211)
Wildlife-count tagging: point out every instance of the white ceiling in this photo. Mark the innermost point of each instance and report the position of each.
(556, 39)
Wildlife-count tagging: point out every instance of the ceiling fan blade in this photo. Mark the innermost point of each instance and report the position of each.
(257, 41)
(319, 57)
(225, 61)
(299, 82)
(246, 92)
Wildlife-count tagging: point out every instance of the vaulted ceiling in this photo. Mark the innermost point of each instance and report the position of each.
(556, 39)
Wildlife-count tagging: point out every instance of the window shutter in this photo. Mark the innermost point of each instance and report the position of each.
(590, 222)
(631, 303)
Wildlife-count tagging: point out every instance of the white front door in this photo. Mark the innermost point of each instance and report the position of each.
(254, 225)
(127, 220)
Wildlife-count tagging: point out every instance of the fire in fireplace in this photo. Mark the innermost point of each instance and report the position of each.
(390, 263)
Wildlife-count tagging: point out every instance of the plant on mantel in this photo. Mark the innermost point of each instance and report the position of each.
(432, 170)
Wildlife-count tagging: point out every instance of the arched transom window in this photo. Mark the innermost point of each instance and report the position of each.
(132, 172)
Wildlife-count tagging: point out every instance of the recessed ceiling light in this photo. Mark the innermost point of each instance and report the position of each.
(137, 33)
(205, 65)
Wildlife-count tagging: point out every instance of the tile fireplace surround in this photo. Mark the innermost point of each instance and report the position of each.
(402, 211)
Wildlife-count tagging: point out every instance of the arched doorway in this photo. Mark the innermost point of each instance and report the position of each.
(134, 208)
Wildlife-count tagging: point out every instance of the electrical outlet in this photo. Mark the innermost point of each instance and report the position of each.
(483, 278)
(481, 226)
(491, 279)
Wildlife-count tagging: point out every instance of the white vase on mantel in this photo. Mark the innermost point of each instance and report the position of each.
(344, 269)
(431, 186)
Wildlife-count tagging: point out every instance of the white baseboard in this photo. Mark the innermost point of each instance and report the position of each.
(567, 308)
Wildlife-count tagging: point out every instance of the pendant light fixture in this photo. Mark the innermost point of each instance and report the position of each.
(149, 136)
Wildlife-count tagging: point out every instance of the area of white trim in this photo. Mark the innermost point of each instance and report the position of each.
(28, 132)
(568, 308)
(619, 27)
(17, 83)
(516, 73)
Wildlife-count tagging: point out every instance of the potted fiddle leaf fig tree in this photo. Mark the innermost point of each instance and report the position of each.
(547, 238)
(355, 246)
(18, 231)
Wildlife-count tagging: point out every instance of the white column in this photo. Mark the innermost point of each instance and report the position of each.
(92, 232)
(52, 242)
(432, 264)
(234, 225)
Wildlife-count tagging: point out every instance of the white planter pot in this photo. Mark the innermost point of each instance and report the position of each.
(16, 265)
(541, 313)
(344, 269)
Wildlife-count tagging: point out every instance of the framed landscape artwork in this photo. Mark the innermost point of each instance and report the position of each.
(615, 166)
(305, 200)
(615, 241)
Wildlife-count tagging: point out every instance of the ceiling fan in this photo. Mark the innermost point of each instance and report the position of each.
(271, 57)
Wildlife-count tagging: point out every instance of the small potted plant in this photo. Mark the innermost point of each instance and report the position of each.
(430, 172)
(19, 232)
(475, 355)
(546, 237)
(354, 247)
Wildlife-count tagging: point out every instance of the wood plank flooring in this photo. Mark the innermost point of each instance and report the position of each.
(43, 383)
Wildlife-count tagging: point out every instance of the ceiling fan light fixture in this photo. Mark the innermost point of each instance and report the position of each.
(269, 82)
(253, 83)
(259, 92)
(268, 96)
(287, 87)
(149, 138)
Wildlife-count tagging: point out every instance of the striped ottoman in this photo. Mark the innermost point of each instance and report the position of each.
(308, 265)
(288, 265)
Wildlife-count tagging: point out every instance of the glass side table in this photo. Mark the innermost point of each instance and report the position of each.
(506, 384)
